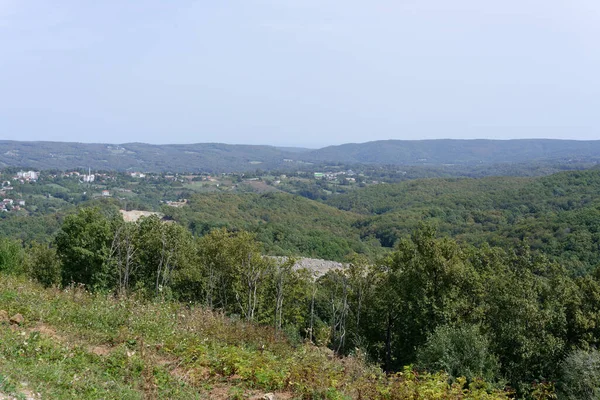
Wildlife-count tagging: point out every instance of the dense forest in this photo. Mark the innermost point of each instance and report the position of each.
(508, 316)
(493, 280)
(557, 214)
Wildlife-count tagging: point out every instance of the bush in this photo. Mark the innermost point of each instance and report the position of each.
(460, 352)
(44, 265)
(12, 256)
(580, 376)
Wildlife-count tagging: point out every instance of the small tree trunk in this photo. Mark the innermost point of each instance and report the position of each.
(388, 344)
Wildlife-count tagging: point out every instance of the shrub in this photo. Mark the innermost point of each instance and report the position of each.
(12, 256)
(44, 265)
(459, 351)
(580, 375)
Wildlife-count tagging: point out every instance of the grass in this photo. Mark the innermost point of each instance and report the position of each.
(74, 344)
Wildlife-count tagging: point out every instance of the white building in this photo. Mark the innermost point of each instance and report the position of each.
(28, 175)
(89, 177)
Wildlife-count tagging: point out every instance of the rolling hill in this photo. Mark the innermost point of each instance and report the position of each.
(217, 157)
(450, 151)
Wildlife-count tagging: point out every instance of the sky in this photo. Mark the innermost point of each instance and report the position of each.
(298, 72)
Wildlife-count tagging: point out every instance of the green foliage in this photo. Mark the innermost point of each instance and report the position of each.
(430, 284)
(525, 316)
(286, 225)
(556, 215)
(460, 351)
(83, 246)
(12, 256)
(43, 265)
(580, 376)
(169, 350)
(506, 258)
(163, 252)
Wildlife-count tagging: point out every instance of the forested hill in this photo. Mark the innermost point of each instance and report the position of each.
(558, 215)
(215, 157)
(204, 157)
(449, 151)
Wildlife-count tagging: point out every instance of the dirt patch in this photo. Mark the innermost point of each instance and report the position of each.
(317, 266)
(261, 187)
(23, 394)
(100, 350)
(49, 332)
(220, 393)
(134, 215)
(276, 396)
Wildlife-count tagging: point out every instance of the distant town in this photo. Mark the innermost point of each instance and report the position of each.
(30, 191)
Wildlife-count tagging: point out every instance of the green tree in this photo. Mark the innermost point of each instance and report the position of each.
(361, 275)
(122, 256)
(12, 256)
(165, 253)
(459, 351)
(249, 272)
(526, 299)
(215, 264)
(432, 284)
(83, 247)
(43, 265)
(334, 289)
(580, 376)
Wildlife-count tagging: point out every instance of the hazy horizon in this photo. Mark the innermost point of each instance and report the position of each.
(294, 147)
(298, 73)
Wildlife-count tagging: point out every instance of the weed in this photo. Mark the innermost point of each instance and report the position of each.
(96, 346)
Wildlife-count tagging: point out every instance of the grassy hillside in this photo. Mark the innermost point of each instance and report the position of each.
(73, 344)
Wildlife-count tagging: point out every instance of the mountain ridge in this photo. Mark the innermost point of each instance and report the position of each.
(220, 157)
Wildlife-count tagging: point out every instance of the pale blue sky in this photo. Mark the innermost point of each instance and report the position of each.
(298, 72)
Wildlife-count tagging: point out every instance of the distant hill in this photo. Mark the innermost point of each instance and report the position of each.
(216, 157)
(451, 151)
(205, 157)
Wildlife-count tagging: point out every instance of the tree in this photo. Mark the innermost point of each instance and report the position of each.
(361, 277)
(427, 282)
(215, 262)
(166, 253)
(460, 351)
(122, 255)
(250, 269)
(283, 274)
(525, 300)
(235, 274)
(335, 290)
(44, 265)
(12, 256)
(580, 375)
(83, 247)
